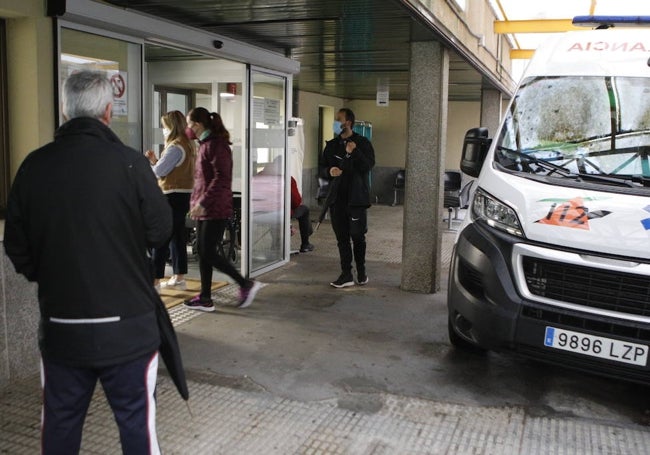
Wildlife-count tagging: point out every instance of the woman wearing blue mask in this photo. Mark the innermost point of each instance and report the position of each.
(346, 162)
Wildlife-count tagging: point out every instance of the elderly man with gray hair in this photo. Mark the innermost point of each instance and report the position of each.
(82, 212)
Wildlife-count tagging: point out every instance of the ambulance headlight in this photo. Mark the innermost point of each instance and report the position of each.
(495, 213)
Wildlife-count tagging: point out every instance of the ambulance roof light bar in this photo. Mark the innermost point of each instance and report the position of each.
(600, 22)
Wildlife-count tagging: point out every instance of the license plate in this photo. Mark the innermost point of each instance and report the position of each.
(595, 346)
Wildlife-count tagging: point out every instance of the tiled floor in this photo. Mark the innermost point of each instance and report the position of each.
(225, 421)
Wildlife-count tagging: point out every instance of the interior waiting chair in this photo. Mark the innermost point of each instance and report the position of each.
(462, 202)
(451, 200)
(398, 184)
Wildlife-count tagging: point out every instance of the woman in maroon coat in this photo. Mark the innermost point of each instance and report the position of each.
(211, 205)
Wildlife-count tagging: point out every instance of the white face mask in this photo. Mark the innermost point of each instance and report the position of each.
(166, 132)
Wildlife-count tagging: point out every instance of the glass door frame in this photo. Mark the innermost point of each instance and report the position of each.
(174, 91)
(247, 226)
(4, 122)
(61, 24)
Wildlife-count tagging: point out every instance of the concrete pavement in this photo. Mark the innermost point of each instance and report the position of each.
(309, 369)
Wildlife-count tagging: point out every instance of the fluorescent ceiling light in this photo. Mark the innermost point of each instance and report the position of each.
(74, 59)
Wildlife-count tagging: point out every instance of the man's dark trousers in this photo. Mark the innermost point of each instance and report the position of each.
(350, 223)
(129, 389)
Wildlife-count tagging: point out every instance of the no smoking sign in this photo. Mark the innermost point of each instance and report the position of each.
(119, 85)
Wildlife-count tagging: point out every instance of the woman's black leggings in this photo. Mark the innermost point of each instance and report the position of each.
(209, 233)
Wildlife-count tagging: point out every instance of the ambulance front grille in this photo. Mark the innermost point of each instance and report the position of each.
(591, 287)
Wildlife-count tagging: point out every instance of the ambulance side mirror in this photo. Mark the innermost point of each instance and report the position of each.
(475, 148)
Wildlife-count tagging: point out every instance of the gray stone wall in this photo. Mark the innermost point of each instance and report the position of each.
(19, 315)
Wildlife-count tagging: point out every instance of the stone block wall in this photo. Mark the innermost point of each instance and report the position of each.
(19, 315)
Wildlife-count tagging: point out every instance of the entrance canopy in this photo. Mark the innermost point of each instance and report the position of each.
(346, 48)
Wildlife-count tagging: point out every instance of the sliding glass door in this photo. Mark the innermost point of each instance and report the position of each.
(121, 60)
(4, 122)
(269, 216)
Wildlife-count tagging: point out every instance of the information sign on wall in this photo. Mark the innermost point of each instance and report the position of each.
(266, 111)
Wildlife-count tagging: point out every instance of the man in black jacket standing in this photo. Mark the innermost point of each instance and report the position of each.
(347, 161)
(82, 212)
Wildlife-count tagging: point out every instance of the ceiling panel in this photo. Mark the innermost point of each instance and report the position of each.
(345, 47)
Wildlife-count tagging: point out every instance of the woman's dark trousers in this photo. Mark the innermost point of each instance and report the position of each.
(180, 204)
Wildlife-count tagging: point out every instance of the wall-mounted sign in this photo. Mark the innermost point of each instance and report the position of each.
(382, 98)
(118, 81)
(266, 111)
(382, 92)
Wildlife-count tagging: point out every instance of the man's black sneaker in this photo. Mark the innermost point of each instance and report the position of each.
(343, 281)
(306, 248)
(362, 279)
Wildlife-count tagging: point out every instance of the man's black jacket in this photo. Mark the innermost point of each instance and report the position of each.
(81, 214)
(353, 186)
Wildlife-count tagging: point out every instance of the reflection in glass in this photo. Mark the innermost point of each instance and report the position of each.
(121, 61)
(268, 171)
(182, 77)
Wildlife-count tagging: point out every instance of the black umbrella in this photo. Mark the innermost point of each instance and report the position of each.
(321, 217)
(326, 205)
(169, 350)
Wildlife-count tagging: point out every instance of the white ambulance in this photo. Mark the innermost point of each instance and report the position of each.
(553, 259)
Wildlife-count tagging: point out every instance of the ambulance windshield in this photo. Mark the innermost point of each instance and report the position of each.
(578, 125)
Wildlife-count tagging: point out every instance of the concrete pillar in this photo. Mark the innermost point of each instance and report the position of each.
(425, 163)
(19, 316)
(31, 91)
(30, 73)
(491, 102)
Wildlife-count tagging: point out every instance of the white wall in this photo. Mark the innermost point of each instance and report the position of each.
(462, 115)
(308, 109)
(389, 127)
(389, 130)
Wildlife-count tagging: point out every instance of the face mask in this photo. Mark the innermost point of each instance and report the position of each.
(166, 132)
(338, 127)
(189, 132)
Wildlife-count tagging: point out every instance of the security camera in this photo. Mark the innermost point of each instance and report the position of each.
(217, 44)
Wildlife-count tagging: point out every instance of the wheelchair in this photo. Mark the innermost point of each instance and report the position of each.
(231, 241)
